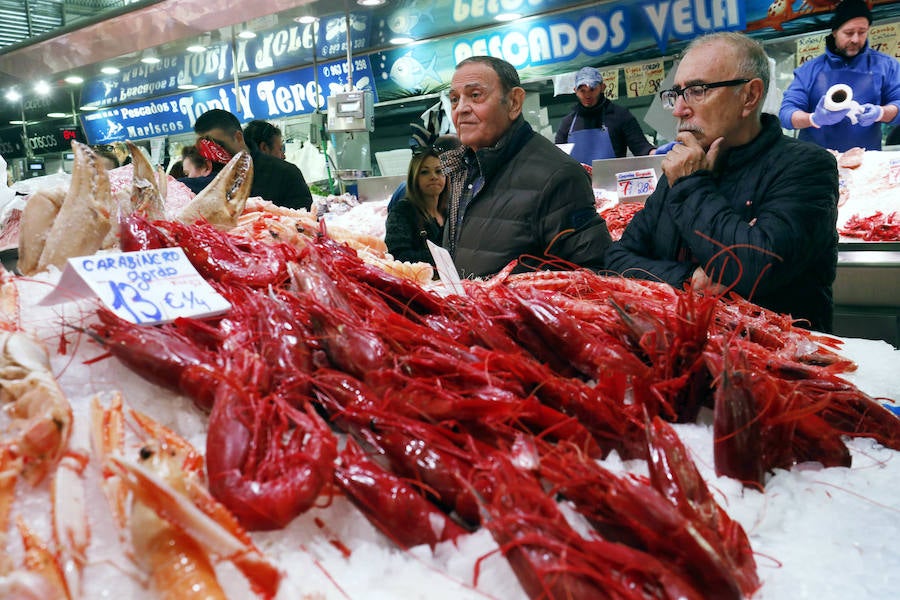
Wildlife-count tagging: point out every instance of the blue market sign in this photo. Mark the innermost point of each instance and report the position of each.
(269, 97)
(543, 46)
(272, 51)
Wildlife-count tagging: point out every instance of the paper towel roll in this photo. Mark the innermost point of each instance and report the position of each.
(839, 97)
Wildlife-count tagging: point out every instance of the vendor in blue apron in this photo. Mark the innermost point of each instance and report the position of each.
(868, 93)
(597, 127)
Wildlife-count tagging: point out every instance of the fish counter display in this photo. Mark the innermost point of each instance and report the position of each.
(813, 531)
(343, 430)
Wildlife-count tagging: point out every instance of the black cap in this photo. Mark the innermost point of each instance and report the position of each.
(850, 9)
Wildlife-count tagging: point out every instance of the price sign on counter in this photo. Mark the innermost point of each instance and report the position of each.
(145, 287)
(632, 184)
(894, 171)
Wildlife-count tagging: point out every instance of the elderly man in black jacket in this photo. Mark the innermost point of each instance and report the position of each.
(512, 193)
(739, 204)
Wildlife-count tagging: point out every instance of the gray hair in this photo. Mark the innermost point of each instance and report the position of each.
(752, 63)
(509, 77)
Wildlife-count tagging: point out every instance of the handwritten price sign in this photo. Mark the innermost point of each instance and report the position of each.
(145, 287)
(644, 79)
(611, 79)
(894, 171)
(809, 47)
(885, 38)
(633, 185)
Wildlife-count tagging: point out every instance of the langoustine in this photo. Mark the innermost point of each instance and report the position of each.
(173, 524)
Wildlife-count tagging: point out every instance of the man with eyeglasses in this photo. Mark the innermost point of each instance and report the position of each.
(275, 180)
(873, 77)
(740, 206)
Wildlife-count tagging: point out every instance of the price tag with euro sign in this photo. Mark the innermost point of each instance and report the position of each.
(635, 184)
(146, 287)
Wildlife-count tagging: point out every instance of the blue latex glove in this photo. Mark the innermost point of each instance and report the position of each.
(822, 116)
(869, 114)
(665, 148)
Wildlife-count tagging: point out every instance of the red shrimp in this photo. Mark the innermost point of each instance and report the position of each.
(391, 504)
(227, 258)
(266, 460)
(551, 560)
(630, 511)
(676, 477)
(161, 355)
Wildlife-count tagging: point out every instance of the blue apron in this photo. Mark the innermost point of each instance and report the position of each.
(845, 135)
(590, 144)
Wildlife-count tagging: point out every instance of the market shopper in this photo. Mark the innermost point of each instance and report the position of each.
(201, 163)
(419, 216)
(275, 180)
(421, 139)
(739, 203)
(873, 77)
(512, 193)
(597, 127)
(266, 137)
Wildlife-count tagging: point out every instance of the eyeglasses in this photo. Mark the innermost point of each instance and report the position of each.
(694, 94)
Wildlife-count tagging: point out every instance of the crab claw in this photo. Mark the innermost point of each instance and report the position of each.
(146, 197)
(78, 226)
(223, 200)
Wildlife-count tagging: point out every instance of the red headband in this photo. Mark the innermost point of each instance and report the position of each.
(212, 151)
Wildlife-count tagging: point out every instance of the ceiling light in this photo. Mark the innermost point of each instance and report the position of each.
(187, 86)
(57, 115)
(401, 40)
(13, 96)
(74, 79)
(109, 70)
(306, 19)
(506, 17)
(370, 2)
(89, 107)
(17, 122)
(150, 59)
(196, 48)
(247, 34)
(42, 88)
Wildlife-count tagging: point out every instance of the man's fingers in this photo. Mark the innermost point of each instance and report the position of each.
(713, 153)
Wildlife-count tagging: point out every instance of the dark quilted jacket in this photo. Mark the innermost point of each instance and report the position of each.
(533, 192)
(772, 201)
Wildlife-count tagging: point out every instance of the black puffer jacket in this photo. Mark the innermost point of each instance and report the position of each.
(279, 182)
(532, 193)
(406, 232)
(773, 202)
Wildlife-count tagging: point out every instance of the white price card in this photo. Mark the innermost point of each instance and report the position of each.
(894, 171)
(146, 287)
(447, 272)
(631, 184)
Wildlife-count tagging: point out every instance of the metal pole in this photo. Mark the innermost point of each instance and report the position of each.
(234, 68)
(349, 51)
(74, 113)
(29, 153)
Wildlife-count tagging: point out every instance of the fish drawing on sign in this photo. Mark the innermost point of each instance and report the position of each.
(109, 86)
(112, 128)
(409, 73)
(404, 20)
